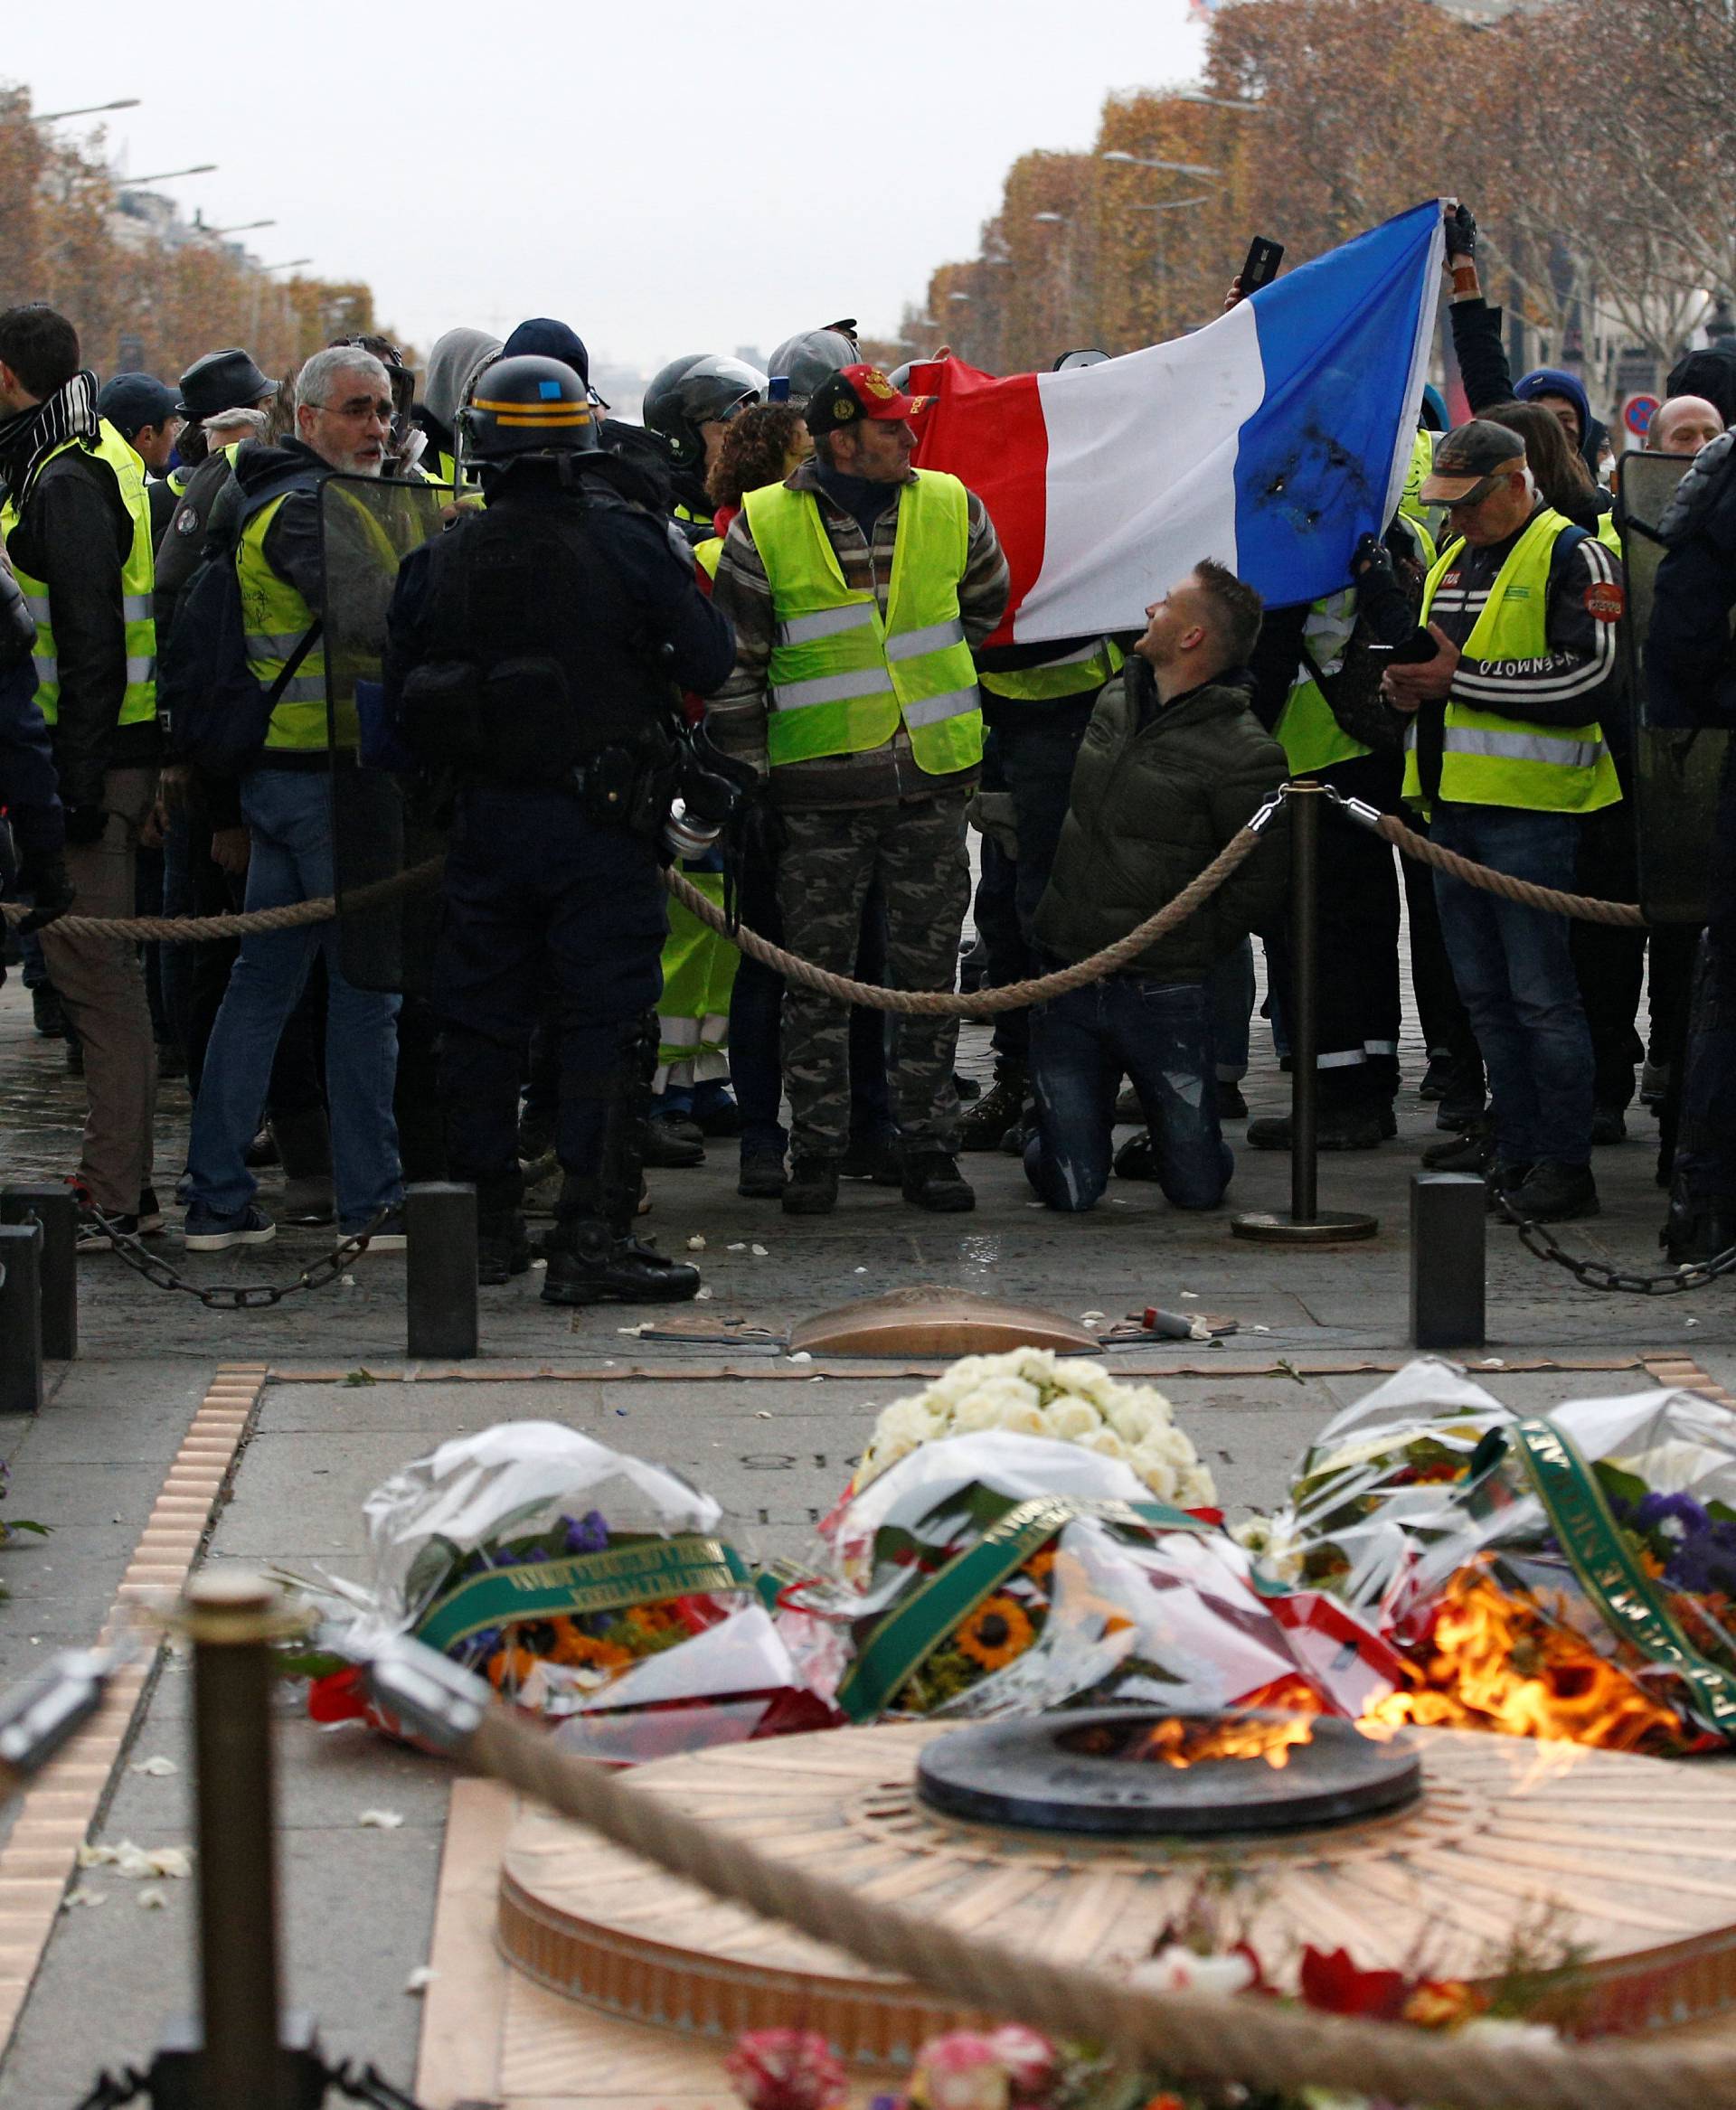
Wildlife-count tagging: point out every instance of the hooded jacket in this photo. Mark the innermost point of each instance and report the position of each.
(453, 366)
(1482, 356)
(1158, 790)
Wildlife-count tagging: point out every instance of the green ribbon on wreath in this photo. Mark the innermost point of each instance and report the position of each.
(639, 1571)
(906, 1638)
(1610, 1574)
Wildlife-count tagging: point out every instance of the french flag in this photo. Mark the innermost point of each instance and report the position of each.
(1270, 439)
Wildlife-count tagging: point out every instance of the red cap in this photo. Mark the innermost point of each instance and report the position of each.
(854, 393)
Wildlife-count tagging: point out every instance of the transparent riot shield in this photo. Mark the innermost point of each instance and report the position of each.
(1676, 770)
(384, 822)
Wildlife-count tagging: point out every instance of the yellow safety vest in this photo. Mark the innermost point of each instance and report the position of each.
(1077, 675)
(841, 679)
(1608, 534)
(275, 618)
(708, 554)
(1311, 737)
(1491, 760)
(138, 583)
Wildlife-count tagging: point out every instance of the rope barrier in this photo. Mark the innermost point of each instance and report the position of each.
(1582, 908)
(1261, 2043)
(243, 923)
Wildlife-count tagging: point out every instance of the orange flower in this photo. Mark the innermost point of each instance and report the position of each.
(1039, 1565)
(572, 1647)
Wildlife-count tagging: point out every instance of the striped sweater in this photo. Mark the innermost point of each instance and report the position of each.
(735, 716)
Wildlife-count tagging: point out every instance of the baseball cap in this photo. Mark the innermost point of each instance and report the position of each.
(130, 401)
(855, 393)
(222, 381)
(1468, 455)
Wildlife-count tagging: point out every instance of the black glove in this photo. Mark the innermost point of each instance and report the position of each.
(42, 876)
(85, 824)
(1383, 600)
(1461, 233)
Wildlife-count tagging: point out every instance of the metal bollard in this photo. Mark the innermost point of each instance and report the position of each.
(21, 1319)
(440, 1270)
(1305, 1223)
(232, 1618)
(1448, 1235)
(56, 1209)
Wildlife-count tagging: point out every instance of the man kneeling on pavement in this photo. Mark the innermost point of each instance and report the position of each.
(1173, 764)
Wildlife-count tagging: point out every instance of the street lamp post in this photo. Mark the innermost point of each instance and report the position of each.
(91, 109)
(1192, 168)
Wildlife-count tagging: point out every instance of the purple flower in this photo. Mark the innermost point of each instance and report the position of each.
(1706, 1563)
(586, 1534)
(1670, 1516)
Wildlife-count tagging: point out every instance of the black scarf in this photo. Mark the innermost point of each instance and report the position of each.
(30, 436)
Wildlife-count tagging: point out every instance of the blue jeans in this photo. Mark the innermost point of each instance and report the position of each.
(288, 816)
(1513, 967)
(1160, 1034)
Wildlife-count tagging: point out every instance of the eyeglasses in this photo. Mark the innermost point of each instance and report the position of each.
(360, 409)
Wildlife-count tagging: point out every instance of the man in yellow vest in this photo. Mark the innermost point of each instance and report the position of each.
(858, 588)
(76, 523)
(344, 413)
(1505, 750)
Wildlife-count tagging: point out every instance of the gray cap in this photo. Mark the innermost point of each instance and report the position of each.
(1466, 455)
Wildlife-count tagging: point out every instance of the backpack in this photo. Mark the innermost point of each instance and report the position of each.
(214, 710)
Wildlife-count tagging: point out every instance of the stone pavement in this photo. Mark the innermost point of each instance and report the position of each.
(709, 1392)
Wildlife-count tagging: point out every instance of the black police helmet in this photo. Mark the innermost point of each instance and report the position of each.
(694, 391)
(526, 406)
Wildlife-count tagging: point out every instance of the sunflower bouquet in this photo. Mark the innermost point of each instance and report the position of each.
(997, 1573)
(590, 1588)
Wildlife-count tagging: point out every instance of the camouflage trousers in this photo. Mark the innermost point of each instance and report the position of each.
(916, 851)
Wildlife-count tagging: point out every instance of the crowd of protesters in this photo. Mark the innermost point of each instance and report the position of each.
(823, 611)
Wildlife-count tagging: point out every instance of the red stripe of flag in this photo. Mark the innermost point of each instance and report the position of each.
(990, 434)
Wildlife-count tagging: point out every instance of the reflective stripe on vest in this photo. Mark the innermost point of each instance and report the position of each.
(1077, 675)
(841, 679)
(276, 616)
(1490, 760)
(137, 577)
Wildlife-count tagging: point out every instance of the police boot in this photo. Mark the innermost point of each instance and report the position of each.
(999, 1108)
(304, 1141)
(593, 1257)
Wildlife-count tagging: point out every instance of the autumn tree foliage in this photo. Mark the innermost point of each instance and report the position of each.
(139, 300)
(1596, 140)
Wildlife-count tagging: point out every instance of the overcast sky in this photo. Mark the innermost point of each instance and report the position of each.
(667, 179)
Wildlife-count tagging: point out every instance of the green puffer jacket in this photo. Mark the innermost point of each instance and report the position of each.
(1156, 794)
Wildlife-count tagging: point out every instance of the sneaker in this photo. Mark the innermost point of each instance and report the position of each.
(1231, 1105)
(207, 1232)
(47, 1014)
(96, 1233)
(672, 1143)
(1556, 1193)
(811, 1187)
(932, 1180)
(389, 1237)
(1608, 1124)
(762, 1176)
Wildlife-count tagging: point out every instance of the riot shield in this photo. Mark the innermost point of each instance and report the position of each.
(1676, 770)
(384, 822)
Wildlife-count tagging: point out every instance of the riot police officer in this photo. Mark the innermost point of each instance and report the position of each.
(535, 650)
(688, 404)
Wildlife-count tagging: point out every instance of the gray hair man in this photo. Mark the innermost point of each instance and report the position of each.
(343, 422)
